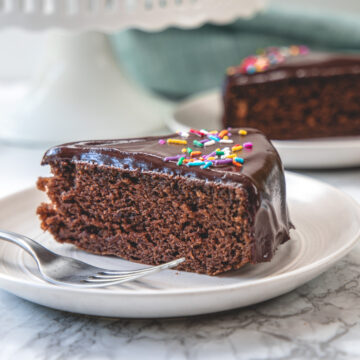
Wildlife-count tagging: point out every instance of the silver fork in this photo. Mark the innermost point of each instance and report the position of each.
(63, 270)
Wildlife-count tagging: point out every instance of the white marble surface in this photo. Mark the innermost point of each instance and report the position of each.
(320, 320)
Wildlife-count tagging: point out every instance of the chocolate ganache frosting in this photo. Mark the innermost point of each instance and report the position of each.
(261, 174)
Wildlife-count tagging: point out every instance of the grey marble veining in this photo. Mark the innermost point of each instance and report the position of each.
(320, 320)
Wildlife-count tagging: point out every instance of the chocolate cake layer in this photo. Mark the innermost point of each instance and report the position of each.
(120, 197)
(308, 95)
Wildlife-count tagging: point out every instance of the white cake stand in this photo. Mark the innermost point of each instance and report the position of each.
(80, 92)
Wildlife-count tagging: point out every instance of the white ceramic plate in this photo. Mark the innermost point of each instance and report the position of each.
(204, 112)
(327, 227)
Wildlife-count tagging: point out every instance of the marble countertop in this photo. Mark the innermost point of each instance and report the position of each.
(320, 320)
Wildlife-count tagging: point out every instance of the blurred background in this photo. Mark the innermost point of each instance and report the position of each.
(156, 70)
(177, 63)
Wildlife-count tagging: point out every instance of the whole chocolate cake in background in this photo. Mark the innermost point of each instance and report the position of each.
(216, 198)
(294, 93)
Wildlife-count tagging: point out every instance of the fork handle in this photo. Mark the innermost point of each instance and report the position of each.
(29, 245)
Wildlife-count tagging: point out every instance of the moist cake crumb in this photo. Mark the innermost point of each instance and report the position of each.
(133, 199)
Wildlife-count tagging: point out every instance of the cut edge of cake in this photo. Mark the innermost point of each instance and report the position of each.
(131, 198)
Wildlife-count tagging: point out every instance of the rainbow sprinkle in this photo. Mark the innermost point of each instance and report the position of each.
(222, 133)
(213, 137)
(181, 160)
(211, 142)
(195, 153)
(176, 141)
(198, 143)
(239, 160)
(197, 132)
(237, 147)
(210, 155)
(196, 163)
(183, 134)
(220, 156)
(170, 158)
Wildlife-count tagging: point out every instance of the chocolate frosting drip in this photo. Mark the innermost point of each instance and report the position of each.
(313, 64)
(261, 175)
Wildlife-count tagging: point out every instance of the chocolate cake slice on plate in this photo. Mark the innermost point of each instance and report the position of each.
(295, 93)
(216, 198)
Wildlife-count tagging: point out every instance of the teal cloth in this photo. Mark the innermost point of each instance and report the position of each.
(178, 62)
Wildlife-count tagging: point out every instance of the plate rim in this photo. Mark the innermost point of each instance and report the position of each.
(317, 143)
(319, 264)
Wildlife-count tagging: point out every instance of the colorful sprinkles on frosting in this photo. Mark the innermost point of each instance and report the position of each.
(176, 141)
(265, 58)
(226, 153)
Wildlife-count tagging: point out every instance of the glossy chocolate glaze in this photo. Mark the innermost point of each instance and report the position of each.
(313, 64)
(261, 175)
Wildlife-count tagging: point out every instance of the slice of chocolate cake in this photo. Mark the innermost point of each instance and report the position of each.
(215, 198)
(293, 93)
